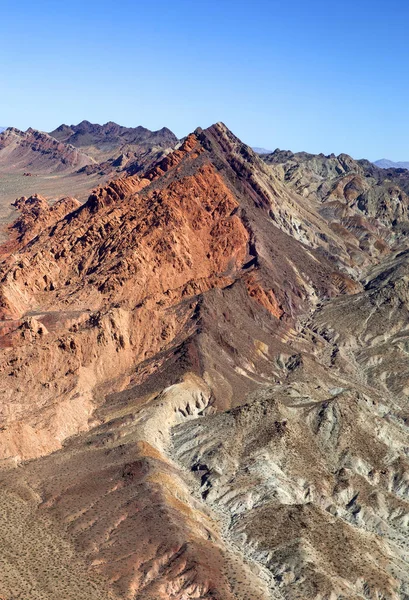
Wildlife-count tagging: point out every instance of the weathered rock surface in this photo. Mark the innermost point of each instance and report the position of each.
(37, 215)
(205, 384)
(362, 203)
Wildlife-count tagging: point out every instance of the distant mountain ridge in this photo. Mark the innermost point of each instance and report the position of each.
(38, 152)
(261, 150)
(384, 163)
(2, 129)
(110, 140)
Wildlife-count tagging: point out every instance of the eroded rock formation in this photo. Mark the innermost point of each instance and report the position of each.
(205, 384)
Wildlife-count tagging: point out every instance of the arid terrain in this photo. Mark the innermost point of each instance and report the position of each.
(71, 161)
(205, 371)
(110, 140)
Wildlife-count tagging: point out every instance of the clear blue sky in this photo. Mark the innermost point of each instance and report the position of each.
(321, 76)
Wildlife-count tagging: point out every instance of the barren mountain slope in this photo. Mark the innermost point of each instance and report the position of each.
(109, 137)
(363, 203)
(34, 162)
(205, 387)
(31, 149)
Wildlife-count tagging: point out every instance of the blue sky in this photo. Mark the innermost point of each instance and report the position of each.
(320, 76)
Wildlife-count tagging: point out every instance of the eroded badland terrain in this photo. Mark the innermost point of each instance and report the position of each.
(205, 377)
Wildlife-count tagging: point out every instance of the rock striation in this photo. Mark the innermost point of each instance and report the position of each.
(36, 151)
(205, 382)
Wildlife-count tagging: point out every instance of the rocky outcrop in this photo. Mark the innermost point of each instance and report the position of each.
(37, 215)
(362, 203)
(206, 372)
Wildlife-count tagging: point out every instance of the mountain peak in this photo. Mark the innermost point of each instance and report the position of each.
(216, 339)
(110, 140)
(384, 163)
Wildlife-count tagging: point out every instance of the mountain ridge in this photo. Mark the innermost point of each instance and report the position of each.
(261, 150)
(203, 398)
(109, 140)
(34, 149)
(384, 163)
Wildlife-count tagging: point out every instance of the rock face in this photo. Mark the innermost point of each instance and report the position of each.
(205, 383)
(37, 214)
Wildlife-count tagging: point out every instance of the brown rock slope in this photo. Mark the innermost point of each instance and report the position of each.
(106, 141)
(36, 151)
(33, 162)
(116, 148)
(204, 394)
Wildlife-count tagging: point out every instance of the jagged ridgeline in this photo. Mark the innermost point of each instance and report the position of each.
(205, 374)
(73, 160)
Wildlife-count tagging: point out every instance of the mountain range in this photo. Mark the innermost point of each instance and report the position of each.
(384, 163)
(38, 151)
(76, 146)
(109, 140)
(116, 148)
(261, 150)
(205, 372)
(73, 160)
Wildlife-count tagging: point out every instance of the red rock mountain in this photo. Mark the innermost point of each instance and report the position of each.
(205, 382)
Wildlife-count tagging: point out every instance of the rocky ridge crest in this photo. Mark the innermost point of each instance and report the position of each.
(206, 370)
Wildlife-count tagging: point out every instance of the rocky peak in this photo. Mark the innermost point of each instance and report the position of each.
(206, 382)
(110, 140)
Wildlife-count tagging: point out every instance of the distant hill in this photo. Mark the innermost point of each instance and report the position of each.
(2, 129)
(261, 150)
(111, 140)
(384, 163)
(38, 152)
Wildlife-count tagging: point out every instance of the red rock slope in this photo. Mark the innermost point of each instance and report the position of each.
(172, 304)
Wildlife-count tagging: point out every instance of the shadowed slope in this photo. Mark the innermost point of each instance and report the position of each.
(182, 372)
